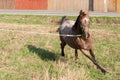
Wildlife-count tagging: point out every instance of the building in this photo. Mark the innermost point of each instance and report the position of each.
(64, 5)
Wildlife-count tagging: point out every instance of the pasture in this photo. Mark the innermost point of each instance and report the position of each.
(31, 56)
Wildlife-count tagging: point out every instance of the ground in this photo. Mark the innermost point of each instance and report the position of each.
(31, 56)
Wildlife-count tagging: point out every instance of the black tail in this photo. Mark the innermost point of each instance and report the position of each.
(63, 19)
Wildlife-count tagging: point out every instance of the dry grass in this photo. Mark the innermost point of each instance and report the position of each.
(37, 57)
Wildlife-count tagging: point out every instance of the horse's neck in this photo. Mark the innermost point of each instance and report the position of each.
(76, 27)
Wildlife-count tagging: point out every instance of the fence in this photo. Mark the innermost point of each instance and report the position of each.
(7, 4)
(65, 5)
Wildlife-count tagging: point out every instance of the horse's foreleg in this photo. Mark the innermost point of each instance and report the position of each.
(92, 53)
(62, 48)
(85, 52)
(76, 54)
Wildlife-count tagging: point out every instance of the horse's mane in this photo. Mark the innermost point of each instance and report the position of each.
(76, 23)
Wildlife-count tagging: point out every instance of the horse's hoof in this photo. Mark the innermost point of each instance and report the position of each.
(104, 71)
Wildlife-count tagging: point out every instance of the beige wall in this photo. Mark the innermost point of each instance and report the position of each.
(109, 6)
(118, 5)
(99, 5)
(112, 5)
(7, 4)
(69, 5)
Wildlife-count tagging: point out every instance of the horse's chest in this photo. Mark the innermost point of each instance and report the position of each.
(84, 44)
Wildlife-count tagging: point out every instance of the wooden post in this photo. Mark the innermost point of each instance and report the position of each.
(91, 2)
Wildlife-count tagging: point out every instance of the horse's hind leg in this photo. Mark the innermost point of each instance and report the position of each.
(76, 54)
(85, 52)
(62, 48)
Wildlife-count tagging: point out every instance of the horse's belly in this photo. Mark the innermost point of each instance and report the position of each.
(78, 43)
(71, 41)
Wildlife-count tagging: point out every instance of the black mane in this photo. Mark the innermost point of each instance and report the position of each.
(77, 27)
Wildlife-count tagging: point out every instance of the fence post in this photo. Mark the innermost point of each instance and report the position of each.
(91, 2)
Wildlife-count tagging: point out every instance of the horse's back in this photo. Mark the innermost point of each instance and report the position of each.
(66, 27)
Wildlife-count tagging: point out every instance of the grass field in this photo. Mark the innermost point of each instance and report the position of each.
(29, 56)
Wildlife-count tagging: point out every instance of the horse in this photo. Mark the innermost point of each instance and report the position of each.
(79, 37)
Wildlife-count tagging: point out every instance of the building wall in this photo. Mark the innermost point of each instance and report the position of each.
(64, 5)
(31, 4)
(107, 5)
(111, 5)
(118, 5)
(7, 4)
(68, 5)
(99, 5)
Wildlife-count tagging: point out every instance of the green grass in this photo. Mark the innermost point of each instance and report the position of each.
(38, 19)
(29, 19)
(37, 57)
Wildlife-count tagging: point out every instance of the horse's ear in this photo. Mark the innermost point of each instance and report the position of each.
(81, 13)
(88, 14)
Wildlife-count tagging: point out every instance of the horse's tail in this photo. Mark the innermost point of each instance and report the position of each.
(63, 19)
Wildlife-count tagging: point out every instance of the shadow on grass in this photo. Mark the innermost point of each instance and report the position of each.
(43, 54)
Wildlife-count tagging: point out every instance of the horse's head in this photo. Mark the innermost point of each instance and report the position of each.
(82, 24)
(85, 23)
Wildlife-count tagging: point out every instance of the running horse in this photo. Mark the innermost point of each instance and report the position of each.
(76, 35)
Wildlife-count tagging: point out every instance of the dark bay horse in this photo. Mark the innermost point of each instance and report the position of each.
(81, 38)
